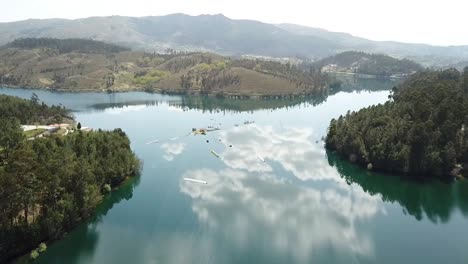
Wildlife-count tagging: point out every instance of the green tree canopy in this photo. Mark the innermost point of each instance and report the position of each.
(421, 130)
(48, 185)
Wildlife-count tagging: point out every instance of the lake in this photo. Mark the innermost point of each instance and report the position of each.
(274, 194)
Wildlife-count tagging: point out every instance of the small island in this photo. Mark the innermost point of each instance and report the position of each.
(420, 131)
(79, 65)
(49, 184)
(378, 65)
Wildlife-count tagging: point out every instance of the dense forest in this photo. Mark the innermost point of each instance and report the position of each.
(67, 45)
(420, 131)
(365, 63)
(50, 184)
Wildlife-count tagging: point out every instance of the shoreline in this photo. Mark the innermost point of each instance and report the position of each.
(172, 92)
(367, 76)
(25, 258)
(393, 173)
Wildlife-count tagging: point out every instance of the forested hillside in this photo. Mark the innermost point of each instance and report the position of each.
(48, 185)
(420, 131)
(371, 64)
(67, 45)
(84, 65)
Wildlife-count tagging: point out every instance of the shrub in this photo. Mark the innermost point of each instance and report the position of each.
(42, 247)
(107, 188)
(34, 254)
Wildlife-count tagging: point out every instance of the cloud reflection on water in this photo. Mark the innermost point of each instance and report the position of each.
(248, 203)
(292, 148)
(300, 221)
(123, 109)
(171, 150)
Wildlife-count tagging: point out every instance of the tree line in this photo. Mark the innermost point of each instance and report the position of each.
(421, 130)
(67, 45)
(32, 111)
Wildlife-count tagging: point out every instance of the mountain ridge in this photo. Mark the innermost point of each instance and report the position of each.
(220, 34)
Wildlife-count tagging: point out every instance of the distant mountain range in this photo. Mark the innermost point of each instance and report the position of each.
(217, 33)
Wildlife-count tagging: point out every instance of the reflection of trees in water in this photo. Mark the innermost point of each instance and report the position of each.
(210, 104)
(348, 84)
(462, 193)
(213, 104)
(81, 243)
(435, 199)
(103, 106)
(351, 83)
(125, 191)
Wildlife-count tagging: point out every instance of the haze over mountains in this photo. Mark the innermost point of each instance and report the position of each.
(220, 34)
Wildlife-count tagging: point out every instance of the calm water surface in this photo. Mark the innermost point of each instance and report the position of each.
(302, 205)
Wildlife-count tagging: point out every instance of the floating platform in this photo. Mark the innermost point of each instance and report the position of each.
(214, 153)
(153, 142)
(261, 158)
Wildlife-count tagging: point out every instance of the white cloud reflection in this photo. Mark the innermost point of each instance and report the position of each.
(248, 203)
(124, 109)
(293, 148)
(292, 220)
(174, 108)
(171, 150)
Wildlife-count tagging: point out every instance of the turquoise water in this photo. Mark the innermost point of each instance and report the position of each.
(300, 205)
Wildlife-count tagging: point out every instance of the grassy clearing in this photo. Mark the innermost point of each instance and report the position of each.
(204, 67)
(34, 132)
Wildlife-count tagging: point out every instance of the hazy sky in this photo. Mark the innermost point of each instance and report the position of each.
(441, 22)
